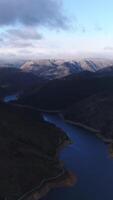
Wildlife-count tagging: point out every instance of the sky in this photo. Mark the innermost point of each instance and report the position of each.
(34, 29)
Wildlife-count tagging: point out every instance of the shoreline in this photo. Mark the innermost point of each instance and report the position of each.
(107, 141)
(78, 124)
(64, 179)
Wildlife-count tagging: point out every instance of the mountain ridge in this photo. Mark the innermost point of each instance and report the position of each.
(55, 69)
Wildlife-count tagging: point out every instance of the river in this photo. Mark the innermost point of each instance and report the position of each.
(89, 159)
(9, 98)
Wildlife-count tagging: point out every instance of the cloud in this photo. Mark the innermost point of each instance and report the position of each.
(23, 33)
(32, 13)
(98, 28)
(23, 24)
(108, 48)
(19, 37)
(83, 29)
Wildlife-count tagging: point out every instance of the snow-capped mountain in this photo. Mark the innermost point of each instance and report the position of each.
(52, 69)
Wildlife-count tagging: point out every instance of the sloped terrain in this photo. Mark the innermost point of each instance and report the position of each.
(95, 112)
(13, 80)
(28, 148)
(60, 94)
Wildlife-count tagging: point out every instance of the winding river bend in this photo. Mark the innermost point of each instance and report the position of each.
(87, 157)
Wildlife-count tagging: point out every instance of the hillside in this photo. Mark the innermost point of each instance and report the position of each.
(60, 94)
(86, 98)
(95, 112)
(28, 149)
(13, 80)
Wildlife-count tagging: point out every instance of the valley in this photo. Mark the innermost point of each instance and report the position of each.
(56, 100)
(38, 122)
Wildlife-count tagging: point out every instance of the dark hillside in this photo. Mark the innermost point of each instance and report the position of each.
(28, 148)
(60, 94)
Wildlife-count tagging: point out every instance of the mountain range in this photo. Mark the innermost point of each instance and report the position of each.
(55, 69)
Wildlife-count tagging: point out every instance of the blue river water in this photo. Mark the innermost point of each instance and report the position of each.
(11, 98)
(89, 159)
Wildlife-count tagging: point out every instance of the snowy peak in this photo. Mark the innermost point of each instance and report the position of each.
(51, 69)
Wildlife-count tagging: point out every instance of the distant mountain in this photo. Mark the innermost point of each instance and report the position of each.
(11, 63)
(52, 69)
(105, 71)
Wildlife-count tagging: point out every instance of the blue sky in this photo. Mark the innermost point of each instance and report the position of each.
(91, 13)
(91, 29)
(62, 28)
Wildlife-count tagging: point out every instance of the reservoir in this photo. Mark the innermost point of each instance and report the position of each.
(89, 159)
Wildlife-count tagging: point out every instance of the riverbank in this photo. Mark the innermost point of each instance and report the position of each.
(98, 134)
(80, 125)
(88, 158)
(29, 147)
(64, 179)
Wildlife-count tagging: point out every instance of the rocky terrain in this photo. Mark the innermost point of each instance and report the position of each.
(55, 69)
(28, 150)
